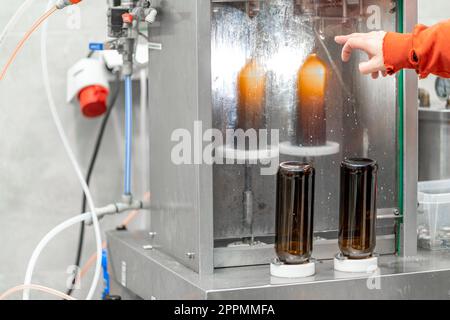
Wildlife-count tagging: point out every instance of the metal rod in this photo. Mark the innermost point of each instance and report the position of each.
(344, 10)
(128, 132)
(248, 201)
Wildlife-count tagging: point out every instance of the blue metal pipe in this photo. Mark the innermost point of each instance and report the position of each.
(128, 132)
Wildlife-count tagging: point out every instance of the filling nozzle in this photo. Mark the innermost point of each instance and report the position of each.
(345, 10)
(61, 4)
(252, 8)
(306, 7)
(127, 42)
(123, 26)
(128, 49)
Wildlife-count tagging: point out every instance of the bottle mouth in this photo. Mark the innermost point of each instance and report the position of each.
(295, 166)
(358, 163)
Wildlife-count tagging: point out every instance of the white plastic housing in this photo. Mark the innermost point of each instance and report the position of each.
(293, 270)
(113, 59)
(368, 265)
(85, 73)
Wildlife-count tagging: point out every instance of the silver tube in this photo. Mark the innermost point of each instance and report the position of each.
(344, 10)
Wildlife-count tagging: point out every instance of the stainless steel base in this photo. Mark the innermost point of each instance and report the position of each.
(324, 249)
(151, 274)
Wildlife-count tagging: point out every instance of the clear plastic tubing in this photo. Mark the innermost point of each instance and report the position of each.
(51, 8)
(71, 155)
(25, 38)
(12, 22)
(50, 291)
(128, 132)
(43, 244)
(143, 129)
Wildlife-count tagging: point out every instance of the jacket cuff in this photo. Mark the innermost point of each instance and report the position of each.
(398, 52)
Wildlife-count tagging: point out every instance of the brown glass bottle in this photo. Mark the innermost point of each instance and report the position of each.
(251, 87)
(358, 212)
(311, 86)
(294, 212)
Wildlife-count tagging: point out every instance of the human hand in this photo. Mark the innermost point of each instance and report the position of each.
(372, 44)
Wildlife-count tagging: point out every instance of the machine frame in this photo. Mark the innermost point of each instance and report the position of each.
(185, 268)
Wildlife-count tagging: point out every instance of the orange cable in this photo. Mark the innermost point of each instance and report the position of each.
(24, 40)
(93, 257)
(90, 262)
(38, 288)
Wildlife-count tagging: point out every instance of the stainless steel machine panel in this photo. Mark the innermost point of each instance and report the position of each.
(180, 94)
(434, 144)
(197, 209)
(362, 114)
(151, 274)
(197, 47)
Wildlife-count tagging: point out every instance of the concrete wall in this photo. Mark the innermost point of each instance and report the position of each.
(431, 12)
(38, 187)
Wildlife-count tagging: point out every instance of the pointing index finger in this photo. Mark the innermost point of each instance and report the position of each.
(343, 39)
(350, 45)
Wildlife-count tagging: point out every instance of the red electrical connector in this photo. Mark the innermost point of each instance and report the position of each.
(127, 18)
(87, 84)
(93, 100)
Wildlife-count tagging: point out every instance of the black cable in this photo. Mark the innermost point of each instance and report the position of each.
(97, 146)
(144, 36)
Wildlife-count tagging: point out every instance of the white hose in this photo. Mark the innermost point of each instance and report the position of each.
(12, 22)
(143, 128)
(43, 243)
(144, 140)
(71, 155)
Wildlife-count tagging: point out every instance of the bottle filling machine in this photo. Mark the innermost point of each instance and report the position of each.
(237, 64)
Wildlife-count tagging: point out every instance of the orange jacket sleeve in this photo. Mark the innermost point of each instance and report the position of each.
(427, 50)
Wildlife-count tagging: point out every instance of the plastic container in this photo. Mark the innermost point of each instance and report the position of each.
(295, 212)
(433, 221)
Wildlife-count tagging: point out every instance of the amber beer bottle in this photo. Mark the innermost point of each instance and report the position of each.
(311, 86)
(251, 87)
(358, 212)
(294, 212)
